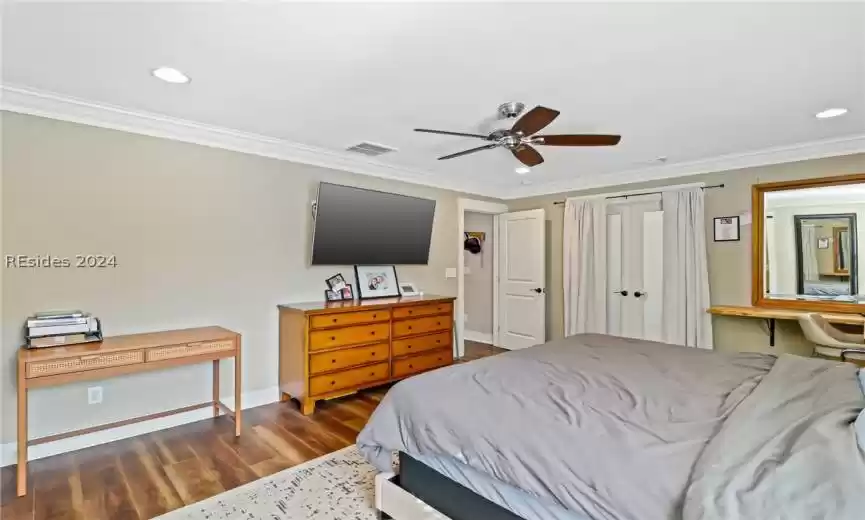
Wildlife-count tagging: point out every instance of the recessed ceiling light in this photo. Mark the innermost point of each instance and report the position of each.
(170, 75)
(522, 170)
(831, 112)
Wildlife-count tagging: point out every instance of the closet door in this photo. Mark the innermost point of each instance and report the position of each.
(635, 268)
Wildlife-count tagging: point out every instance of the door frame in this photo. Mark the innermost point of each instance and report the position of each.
(488, 208)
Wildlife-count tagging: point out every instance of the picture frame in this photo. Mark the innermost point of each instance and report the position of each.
(726, 229)
(331, 295)
(408, 289)
(376, 281)
(336, 282)
(347, 293)
(822, 243)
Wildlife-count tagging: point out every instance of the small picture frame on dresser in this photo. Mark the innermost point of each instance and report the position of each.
(332, 296)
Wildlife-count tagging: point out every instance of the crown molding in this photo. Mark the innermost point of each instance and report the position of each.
(56, 106)
(848, 145)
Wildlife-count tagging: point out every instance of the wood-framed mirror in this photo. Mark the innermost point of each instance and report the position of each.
(805, 244)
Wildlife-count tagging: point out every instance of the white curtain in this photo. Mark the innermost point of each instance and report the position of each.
(810, 271)
(686, 274)
(584, 245)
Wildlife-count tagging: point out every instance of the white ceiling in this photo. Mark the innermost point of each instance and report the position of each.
(710, 86)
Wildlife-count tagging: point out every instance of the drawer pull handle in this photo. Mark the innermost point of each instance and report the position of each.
(411, 366)
(333, 361)
(440, 359)
(333, 382)
(409, 327)
(372, 333)
(374, 315)
(410, 312)
(438, 341)
(372, 374)
(373, 354)
(408, 346)
(438, 323)
(334, 320)
(333, 338)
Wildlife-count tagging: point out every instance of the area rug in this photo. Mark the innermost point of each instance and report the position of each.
(336, 486)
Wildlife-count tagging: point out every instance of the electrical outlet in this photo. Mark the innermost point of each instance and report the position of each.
(94, 395)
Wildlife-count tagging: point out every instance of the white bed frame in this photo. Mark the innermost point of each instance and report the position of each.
(399, 504)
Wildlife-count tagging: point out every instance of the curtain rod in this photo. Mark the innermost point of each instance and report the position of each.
(561, 202)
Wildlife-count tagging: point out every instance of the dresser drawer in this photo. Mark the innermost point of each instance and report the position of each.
(421, 325)
(339, 359)
(415, 364)
(422, 310)
(190, 349)
(401, 347)
(82, 363)
(348, 318)
(321, 339)
(319, 385)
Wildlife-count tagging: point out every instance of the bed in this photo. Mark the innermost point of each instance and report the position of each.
(600, 427)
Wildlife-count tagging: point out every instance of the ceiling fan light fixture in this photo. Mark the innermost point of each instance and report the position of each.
(170, 75)
(522, 170)
(831, 112)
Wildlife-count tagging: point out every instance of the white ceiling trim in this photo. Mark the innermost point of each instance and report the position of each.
(778, 155)
(56, 106)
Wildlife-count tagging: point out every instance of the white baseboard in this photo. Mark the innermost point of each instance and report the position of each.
(482, 337)
(9, 451)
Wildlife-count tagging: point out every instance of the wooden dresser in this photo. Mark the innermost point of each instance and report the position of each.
(331, 349)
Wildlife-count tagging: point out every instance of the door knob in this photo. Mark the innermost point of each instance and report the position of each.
(538, 290)
(622, 292)
(637, 294)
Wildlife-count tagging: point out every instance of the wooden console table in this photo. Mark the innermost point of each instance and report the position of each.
(772, 314)
(118, 356)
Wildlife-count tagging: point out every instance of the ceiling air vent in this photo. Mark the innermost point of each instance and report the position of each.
(370, 149)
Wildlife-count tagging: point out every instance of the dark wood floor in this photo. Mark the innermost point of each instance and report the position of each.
(146, 476)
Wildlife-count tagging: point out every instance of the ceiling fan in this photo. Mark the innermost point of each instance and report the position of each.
(520, 137)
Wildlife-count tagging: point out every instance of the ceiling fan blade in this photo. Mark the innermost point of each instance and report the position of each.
(466, 152)
(445, 132)
(535, 120)
(577, 140)
(528, 155)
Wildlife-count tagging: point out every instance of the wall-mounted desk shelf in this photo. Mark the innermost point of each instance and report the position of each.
(770, 315)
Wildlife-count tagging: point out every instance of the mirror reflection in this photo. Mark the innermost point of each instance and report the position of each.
(811, 243)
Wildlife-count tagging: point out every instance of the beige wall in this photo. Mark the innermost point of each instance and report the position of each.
(729, 262)
(478, 299)
(202, 236)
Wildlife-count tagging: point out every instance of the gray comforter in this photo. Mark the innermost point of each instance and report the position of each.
(612, 428)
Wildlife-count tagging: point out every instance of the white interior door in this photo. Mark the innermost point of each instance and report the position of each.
(522, 301)
(635, 269)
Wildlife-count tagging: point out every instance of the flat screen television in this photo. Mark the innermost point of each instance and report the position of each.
(355, 226)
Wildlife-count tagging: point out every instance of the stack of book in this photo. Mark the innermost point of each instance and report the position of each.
(51, 329)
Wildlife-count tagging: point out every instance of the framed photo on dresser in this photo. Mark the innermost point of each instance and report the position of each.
(376, 281)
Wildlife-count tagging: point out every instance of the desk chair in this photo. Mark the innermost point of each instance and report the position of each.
(830, 342)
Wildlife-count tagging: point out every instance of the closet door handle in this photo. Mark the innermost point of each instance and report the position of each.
(637, 294)
(622, 292)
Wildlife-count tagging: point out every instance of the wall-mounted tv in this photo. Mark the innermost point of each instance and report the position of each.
(355, 226)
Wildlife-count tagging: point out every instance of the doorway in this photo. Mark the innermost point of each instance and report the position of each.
(635, 272)
(478, 276)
